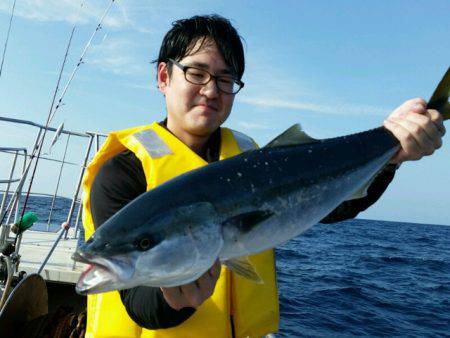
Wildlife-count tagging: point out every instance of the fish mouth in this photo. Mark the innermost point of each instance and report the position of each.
(102, 274)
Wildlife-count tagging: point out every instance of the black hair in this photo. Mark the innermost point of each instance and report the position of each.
(181, 39)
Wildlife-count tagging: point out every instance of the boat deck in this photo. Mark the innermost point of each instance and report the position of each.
(60, 267)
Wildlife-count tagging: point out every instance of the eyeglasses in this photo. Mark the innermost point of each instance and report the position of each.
(226, 84)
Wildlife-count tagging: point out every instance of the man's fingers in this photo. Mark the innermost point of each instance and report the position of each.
(419, 107)
(192, 294)
(188, 295)
(423, 142)
(409, 147)
(207, 282)
(423, 124)
(206, 285)
(174, 297)
(195, 293)
(437, 119)
(418, 101)
(214, 271)
(418, 129)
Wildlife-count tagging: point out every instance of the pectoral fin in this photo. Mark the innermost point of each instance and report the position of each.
(243, 267)
(245, 222)
(361, 192)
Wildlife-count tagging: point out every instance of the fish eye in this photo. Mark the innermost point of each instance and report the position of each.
(144, 244)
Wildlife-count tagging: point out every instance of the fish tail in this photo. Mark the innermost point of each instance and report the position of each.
(446, 111)
(439, 99)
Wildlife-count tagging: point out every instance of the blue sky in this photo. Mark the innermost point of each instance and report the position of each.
(336, 67)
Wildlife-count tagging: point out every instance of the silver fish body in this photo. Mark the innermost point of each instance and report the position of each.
(236, 207)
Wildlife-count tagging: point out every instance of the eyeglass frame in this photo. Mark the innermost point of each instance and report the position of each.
(211, 76)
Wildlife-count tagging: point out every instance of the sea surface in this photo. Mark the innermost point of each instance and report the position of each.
(354, 278)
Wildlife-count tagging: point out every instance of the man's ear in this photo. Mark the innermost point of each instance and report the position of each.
(163, 77)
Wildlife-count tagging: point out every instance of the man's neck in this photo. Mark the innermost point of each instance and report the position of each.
(196, 143)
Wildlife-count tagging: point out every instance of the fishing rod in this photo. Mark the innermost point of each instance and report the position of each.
(7, 37)
(39, 144)
(53, 112)
(25, 223)
(80, 61)
(39, 140)
(66, 225)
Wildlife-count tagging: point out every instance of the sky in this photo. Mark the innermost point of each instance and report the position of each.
(335, 67)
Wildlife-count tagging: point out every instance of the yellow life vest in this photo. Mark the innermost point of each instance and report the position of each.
(254, 307)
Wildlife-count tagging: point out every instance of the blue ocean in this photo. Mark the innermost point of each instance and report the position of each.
(354, 278)
(366, 278)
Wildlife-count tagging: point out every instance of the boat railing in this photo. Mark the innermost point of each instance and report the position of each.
(12, 182)
(10, 179)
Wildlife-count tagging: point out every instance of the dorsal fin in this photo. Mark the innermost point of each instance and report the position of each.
(291, 136)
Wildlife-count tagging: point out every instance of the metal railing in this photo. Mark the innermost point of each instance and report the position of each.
(13, 177)
(13, 206)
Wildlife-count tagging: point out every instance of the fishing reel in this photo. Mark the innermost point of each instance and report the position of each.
(9, 260)
(3, 271)
(9, 256)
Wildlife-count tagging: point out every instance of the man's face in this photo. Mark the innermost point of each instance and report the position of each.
(197, 110)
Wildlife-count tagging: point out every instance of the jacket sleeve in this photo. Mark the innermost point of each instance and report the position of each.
(148, 308)
(118, 182)
(350, 209)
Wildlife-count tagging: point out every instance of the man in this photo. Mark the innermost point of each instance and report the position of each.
(200, 66)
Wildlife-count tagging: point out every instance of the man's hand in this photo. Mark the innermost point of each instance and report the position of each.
(195, 293)
(418, 129)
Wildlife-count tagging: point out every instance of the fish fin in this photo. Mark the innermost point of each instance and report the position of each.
(291, 136)
(246, 221)
(361, 192)
(243, 267)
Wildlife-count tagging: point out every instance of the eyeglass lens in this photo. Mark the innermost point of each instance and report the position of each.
(225, 83)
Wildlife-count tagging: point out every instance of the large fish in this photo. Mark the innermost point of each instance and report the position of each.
(234, 208)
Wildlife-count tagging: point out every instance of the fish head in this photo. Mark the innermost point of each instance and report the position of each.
(172, 248)
(112, 255)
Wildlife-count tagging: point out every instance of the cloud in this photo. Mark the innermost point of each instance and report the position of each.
(72, 12)
(118, 56)
(330, 108)
(146, 17)
(146, 87)
(253, 126)
(51, 10)
(288, 91)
